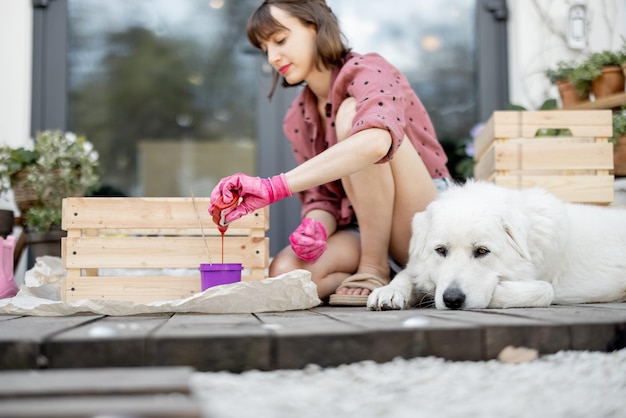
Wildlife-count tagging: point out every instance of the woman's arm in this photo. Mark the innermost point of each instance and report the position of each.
(346, 157)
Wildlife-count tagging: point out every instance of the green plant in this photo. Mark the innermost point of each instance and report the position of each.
(619, 125)
(562, 71)
(591, 68)
(57, 165)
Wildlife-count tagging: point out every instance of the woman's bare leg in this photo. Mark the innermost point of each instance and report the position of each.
(339, 261)
(384, 197)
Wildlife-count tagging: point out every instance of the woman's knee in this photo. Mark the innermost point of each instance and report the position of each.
(345, 117)
(284, 262)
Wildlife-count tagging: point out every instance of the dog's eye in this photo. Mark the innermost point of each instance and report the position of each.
(442, 251)
(481, 252)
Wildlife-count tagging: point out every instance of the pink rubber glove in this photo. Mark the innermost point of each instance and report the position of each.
(308, 241)
(256, 193)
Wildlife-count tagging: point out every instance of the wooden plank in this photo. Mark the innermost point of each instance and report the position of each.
(413, 333)
(82, 382)
(591, 326)
(233, 342)
(108, 342)
(500, 329)
(4, 317)
(306, 337)
(587, 189)
(148, 213)
(138, 289)
(484, 139)
(159, 252)
(158, 405)
(486, 166)
(598, 123)
(507, 124)
(544, 155)
(614, 101)
(21, 338)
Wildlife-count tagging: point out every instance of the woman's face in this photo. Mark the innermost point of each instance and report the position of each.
(291, 50)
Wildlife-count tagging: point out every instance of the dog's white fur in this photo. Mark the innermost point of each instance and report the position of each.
(484, 246)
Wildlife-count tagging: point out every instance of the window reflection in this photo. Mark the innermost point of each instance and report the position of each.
(164, 90)
(432, 43)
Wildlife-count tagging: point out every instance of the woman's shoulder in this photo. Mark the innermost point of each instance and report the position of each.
(370, 65)
(364, 72)
(372, 59)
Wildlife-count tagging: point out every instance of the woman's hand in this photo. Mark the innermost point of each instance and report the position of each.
(255, 192)
(308, 241)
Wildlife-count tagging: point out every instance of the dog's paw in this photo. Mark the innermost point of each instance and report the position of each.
(387, 298)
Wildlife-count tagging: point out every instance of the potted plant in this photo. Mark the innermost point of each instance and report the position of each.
(619, 139)
(560, 77)
(55, 166)
(600, 73)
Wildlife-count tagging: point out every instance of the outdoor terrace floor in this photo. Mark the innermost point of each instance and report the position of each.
(326, 336)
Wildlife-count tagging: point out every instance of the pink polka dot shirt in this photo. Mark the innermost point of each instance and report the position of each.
(384, 99)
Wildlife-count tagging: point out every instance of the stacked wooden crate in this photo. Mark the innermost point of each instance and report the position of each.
(576, 167)
(129, 236)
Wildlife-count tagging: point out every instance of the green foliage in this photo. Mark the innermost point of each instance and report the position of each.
(591, 68)
(549, 104)
(563, 71)
(619, 124)
(465, 163)
(56, 166)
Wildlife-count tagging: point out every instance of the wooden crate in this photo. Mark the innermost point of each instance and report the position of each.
(134, 234)
(575, 168)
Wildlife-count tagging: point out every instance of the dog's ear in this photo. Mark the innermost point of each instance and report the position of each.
(517, 233)
(419, 227)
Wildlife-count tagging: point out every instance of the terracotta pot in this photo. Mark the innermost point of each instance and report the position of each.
(569, 95)
(624, 69)
(609, 83)
(619, 156)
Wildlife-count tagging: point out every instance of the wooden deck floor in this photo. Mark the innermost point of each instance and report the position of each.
(141, 366)
(327, 336)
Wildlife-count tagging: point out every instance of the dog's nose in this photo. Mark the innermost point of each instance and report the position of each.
(453, 298)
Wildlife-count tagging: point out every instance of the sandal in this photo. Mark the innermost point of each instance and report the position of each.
(359, 281)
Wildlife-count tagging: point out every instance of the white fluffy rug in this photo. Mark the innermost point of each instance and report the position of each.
(567, 384)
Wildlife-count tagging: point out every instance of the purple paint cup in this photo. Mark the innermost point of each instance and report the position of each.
(217, 274)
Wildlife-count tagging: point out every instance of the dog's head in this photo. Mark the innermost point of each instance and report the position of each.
(466, 242)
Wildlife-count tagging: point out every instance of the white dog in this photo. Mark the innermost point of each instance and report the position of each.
(480, 245)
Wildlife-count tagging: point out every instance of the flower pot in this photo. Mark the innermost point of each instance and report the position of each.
(48, 243)
(610, 82)
(619, 156)
(218, 274)
(569, 95)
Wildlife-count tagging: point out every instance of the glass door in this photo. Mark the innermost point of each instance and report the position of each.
(164, 89)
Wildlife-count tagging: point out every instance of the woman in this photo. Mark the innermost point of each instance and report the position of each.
(368, 157)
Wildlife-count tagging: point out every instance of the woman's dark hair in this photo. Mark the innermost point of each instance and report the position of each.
(330, 47)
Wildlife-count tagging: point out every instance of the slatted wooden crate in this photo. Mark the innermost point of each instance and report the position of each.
(106, 236)
(575, 168)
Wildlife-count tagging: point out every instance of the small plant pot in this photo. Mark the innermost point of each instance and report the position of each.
(217, 274)
(609, 83)
(569, 95)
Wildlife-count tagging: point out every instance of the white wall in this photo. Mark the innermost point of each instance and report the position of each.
(537, 33)
(15, 70)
